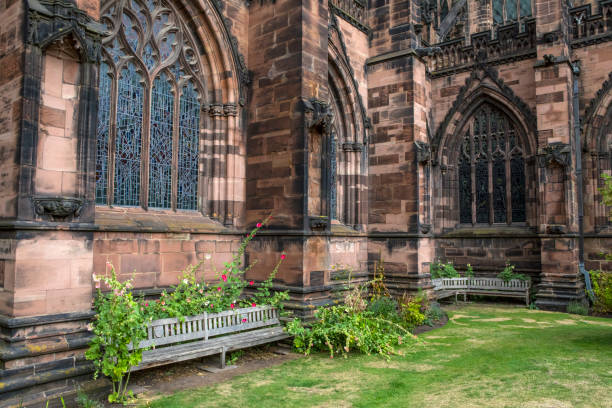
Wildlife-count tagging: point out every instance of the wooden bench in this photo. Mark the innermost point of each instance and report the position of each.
(445, 287)
(170, 340)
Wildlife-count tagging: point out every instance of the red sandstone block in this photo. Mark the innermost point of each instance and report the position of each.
(52, 117)
(170, 245)
(140, 263)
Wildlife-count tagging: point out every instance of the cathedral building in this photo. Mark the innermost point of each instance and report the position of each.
(150, 134)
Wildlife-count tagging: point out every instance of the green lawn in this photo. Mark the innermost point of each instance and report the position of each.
(486, 356)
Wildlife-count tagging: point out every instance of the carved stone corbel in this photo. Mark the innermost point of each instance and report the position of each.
(318, 114)
(557, 152)
(57, 208)
(423, 151)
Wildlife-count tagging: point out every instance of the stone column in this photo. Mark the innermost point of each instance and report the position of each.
(561, 281)
(398, 94)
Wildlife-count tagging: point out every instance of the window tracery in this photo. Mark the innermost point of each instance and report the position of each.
(491, 170)
(148, 145)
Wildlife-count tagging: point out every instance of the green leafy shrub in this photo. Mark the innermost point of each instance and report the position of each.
(118, 323)
(433, 314)
(602, 288)
(469, 271)
(508, 274)
(411, 309)
(385, 307)
(340, 329)
(443, 270)
(578, 307)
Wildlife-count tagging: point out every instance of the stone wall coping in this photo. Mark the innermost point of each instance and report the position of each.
(18, 322)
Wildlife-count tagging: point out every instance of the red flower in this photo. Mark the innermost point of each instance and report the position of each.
(232, 305)
(244, 320)
(219, 289)
(259, 225)
(224, 277)
(147, 304)
(211, 305)
(283, 256)
(253, 304)
(251, 283)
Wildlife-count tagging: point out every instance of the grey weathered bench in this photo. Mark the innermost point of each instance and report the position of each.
(445, 287)
(170, 340)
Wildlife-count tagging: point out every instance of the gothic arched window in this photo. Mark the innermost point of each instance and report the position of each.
(149, 108)
(506, 11)
(491, 170)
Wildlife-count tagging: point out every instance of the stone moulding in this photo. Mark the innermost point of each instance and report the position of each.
(50, 20)
(587, 28)
(558, 153)
(58, 208)
(353, 11)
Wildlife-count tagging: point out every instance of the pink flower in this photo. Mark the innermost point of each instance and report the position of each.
(164, 309)
(224, 277)
(147, 304)
(219, 289)
(244, 320)
(253, 304)
(211, 305)
(232, 305)
(201, 291)
(251, 283)
(188, 300)
(163, 302)
(283, 256)
(259, 225)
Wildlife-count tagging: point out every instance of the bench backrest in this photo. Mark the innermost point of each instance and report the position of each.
(202, 327)
(513, 285)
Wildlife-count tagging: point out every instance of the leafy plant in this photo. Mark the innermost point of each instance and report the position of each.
(411, 309)
(85, 402)
(118, 323)
(578, 307)
(469, 272)
(385, 307)
(443, 270)
(508, 274)
(433, 314)
(234, 357)
(602, 287)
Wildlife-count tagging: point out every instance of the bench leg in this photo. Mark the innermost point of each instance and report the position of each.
(223, 358)
(464, 297)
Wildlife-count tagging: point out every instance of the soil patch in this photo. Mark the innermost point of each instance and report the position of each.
(425, 328)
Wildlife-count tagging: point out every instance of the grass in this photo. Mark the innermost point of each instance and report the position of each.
(486, 356)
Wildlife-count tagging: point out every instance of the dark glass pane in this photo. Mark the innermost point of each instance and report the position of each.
(131, 35)
(498, 11)
(189, 130)
(443, 9)
(525, 8)
(511, 10)
(517, 180)
(160, 149)
(128, 142)
(482, 191)
(465, 192)
(499, 190)
(149, 57)
(104, 103)
(333, 196)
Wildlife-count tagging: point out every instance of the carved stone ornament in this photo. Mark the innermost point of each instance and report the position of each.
(215, 109)
(318, 115)
(50, 20)
(556, 229)
(58, 208)
(555, 153)
(318, 223)
(425, 228)
(423, 152)
(352, 147)
(230, 109)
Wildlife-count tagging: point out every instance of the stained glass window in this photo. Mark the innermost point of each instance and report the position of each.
(160, 145)
(507, 11)
(151, 76)
(189, 126)
(129, 135)
(102, 135)
(491, 170)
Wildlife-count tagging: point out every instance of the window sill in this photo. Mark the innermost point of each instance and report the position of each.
(136, 219)
(490, 230)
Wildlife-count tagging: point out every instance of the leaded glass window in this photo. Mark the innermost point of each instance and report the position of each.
(148, 146)
(506, 11)
(491, 170)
